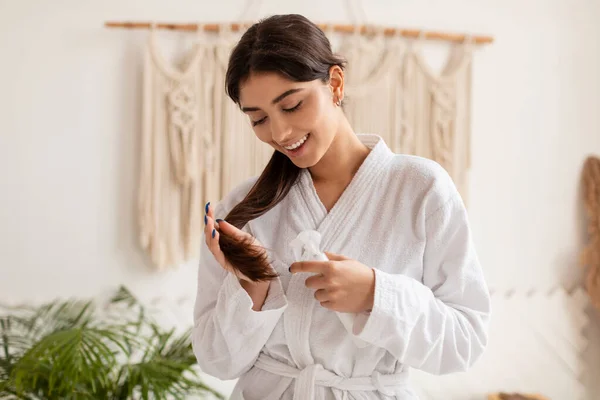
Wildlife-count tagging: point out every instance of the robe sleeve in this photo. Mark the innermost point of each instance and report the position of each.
(228, 335)
(439, 325)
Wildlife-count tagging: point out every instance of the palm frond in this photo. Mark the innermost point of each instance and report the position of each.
(124, 295)
(67, 359)
(14, 336)
(165, 368)
(8, 392)
(163, 378)
(69, 350)
(36, 323)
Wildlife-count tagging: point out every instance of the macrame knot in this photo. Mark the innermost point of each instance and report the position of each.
(183, 118)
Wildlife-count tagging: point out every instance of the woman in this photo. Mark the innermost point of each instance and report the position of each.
(401, 261)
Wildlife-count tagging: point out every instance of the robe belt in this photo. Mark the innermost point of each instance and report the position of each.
(315, 374)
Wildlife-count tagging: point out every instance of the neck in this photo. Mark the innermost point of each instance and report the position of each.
(343, 158)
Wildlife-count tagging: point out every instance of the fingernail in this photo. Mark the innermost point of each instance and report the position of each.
(214, 233)
(219, 221)
(290, 269)
(206, 207)
(205, 220)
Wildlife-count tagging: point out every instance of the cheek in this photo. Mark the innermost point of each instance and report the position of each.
(263, 133)
(318, 116)
(325, 121)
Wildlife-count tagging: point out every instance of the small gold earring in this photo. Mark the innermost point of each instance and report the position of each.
(338, 102)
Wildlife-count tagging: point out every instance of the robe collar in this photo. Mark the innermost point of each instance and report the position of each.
(355, 195)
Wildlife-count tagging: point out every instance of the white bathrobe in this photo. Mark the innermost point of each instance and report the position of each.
(400, 215)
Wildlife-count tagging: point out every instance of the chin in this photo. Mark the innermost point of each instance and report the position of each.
(308, 163)
(308, 160)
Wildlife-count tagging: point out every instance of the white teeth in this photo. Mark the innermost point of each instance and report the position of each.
(297, 144)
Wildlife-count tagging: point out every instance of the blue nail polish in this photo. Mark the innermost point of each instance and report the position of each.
(206, 207)
(214, 233)
(219, 221)
(205, 220)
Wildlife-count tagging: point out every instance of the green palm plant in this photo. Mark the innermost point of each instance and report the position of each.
(71, 350)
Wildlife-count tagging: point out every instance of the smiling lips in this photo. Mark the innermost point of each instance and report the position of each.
(296, 145)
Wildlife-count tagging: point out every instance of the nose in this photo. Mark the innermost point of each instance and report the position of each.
(281, 131)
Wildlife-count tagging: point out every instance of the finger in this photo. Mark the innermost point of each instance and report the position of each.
(208, 210)
(335, 257)
(319, 267)
(232, 231)
(321, 295)
(316, 282)
(208, 228)
(210, 213)
(214, 242)
(211, 232)
(218, 254)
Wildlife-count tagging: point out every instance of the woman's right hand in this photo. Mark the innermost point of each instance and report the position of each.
(211, 234)
(257, 291)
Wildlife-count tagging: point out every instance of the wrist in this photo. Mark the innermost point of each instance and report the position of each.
(370, 300)
(257, 291)
(254, 286)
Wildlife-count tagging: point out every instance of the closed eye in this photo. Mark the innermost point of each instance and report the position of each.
(297, 106)
(260, 121)
(287, 110)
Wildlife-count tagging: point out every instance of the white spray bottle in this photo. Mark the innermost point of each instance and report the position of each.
(307, 247)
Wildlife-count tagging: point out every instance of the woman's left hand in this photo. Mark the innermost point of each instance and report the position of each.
(341, 284)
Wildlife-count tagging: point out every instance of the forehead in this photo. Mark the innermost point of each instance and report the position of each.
(261, 88)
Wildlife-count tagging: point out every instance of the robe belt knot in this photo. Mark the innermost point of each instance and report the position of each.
(313, 375)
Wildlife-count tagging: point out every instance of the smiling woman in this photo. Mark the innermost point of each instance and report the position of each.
(292, 90)
(286, 121)
(399, 256)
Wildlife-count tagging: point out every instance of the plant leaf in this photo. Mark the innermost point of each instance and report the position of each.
(67, 350)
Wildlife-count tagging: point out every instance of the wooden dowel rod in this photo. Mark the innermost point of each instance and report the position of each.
(409, 33)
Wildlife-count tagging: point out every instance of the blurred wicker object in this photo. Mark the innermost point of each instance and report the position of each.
(516, 396)
(590, 257)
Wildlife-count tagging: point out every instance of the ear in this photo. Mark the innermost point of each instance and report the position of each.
(336, 82)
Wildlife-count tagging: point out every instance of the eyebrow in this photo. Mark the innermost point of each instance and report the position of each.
(275, 100)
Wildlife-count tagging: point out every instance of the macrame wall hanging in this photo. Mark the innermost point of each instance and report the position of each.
(393, 92)
(197, 145)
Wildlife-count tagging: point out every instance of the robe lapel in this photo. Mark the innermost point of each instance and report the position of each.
(301, 302)
(354, 196)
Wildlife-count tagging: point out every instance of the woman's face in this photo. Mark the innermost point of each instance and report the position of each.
(299, 119)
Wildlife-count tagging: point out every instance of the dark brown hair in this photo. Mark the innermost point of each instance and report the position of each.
(298, 50)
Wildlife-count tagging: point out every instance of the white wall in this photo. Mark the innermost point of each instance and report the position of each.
(69, 135)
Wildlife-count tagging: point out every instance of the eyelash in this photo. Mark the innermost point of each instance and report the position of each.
(297, 106)
(287, 110)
